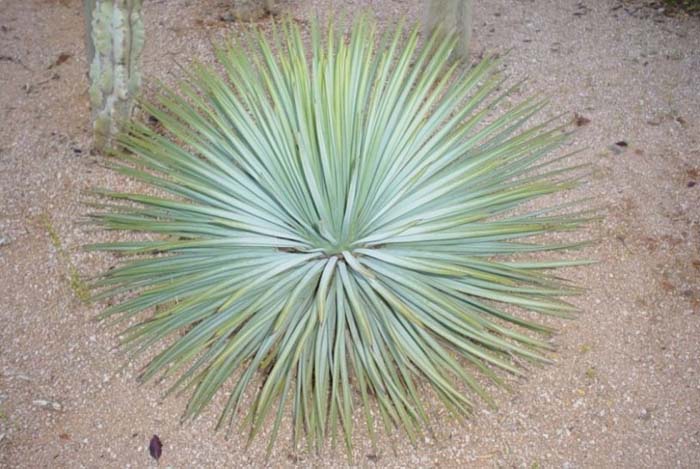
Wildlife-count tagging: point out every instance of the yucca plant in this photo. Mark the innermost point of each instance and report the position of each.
(337, 229)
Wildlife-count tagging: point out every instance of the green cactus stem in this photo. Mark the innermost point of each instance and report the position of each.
(114, 46)
(452, 17)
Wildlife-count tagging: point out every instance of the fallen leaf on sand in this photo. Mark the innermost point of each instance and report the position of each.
(155, 447)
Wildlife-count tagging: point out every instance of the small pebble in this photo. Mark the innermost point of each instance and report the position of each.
(645, 414)
(615, 149)
(50, 405)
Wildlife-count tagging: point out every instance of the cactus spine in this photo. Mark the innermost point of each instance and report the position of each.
(114, 46)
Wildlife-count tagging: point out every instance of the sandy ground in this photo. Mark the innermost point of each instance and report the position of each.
(625, 391)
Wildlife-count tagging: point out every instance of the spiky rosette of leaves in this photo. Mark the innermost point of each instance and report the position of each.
(337, 224)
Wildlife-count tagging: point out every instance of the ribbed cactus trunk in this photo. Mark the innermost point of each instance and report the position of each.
(114, 45)
(454, 17)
